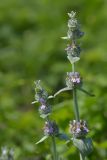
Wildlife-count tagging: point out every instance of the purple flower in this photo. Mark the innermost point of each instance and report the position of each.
(40, 94)
(51, 128)
(78, 129)
(73, 78)
(73, 50)
(43, 107)
(45, 110)
(42, 100)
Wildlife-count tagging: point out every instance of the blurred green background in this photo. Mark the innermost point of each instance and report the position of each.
(31, 49)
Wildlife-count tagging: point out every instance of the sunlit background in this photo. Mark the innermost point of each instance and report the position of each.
(31, 49)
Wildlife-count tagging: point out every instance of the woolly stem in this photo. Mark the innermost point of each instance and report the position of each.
(76, 110)
(82, 157)
(54, 148)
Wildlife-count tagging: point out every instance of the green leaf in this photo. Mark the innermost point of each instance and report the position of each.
(42, 139)
(69, 143)
(50, 97)
(65, 37)
(85, 145)
(34, 102)
(62, 90)
(73, 59)
(44, 115)
(63, 136)
(86, 92)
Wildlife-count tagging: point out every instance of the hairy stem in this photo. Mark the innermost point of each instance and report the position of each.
(82, 157)
(76, 110)
(54, 148)
(73, 67)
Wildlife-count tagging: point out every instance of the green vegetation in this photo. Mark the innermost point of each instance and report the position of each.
(31, 49)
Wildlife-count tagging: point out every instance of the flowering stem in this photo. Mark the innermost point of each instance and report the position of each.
(54, 148)
(76, 110)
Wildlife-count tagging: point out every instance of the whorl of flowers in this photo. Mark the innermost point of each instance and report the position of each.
(74, 32)
(42, 96)
(51, 128)
(78, 129)
(73, 79)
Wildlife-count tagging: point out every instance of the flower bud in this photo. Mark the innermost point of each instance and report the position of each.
(41, 95)
(77, 33)
(72, 23)
(72, 14)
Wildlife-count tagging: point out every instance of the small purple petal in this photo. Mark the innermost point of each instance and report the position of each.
(42, 101)
(78, 80)
(42, 107)
(50, 130)
(78, 130)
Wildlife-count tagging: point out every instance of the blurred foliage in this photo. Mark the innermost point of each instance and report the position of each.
(31, 49)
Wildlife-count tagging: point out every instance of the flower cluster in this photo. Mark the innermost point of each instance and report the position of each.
(73, 27)
(42, 96)
(45, 109)
(73, 50)
(78, 129)
(51, 128)
(74, 32)
(7, 154)
(73, 79)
